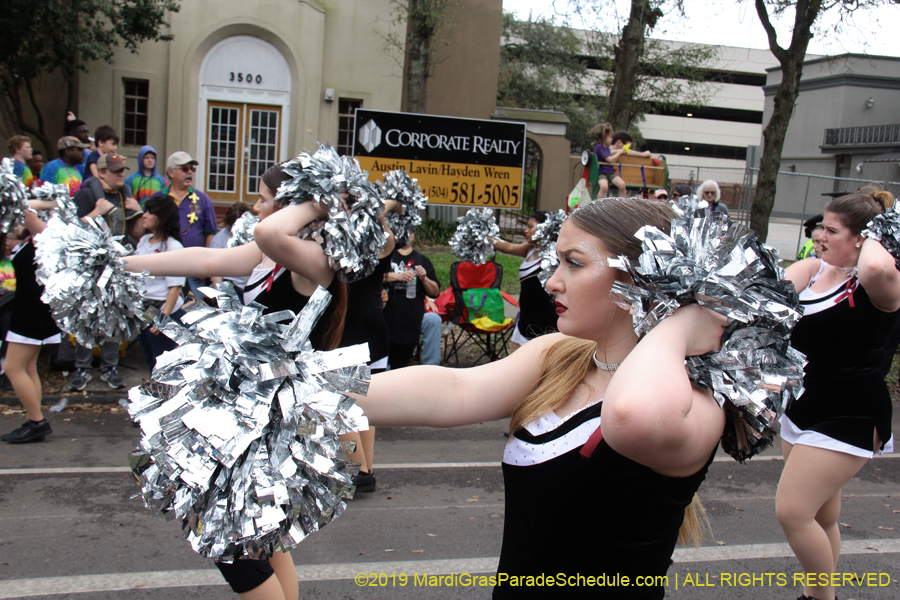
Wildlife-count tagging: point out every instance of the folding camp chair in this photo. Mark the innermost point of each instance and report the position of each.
(492, 344)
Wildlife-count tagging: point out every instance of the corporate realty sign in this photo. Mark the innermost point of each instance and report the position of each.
(460, 162)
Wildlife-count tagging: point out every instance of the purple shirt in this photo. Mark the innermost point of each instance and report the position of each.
(602, 152)
(194, 229)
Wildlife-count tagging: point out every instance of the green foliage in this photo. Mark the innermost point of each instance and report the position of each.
(428, 17)
(546, 66)
(66, 35)
(434, 232)
(542, 67)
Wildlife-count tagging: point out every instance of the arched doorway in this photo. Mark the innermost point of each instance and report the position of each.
(245, 94)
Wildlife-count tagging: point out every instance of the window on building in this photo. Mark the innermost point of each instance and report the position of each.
(691, 149)
(346, 110)
(134, 129)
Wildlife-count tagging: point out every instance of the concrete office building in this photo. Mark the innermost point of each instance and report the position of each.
(846, 122)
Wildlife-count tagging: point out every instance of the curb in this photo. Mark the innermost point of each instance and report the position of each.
(111, 398)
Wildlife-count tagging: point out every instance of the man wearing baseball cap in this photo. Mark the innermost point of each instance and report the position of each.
(63, 169)
(195, 209)
(661, 195)
(106, 196)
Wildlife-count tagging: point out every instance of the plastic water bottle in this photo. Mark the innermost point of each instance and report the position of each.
(411, 288)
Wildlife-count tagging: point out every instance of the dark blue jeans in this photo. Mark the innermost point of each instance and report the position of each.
(154, 345)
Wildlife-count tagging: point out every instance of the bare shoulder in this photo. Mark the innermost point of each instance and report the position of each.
(802, 271)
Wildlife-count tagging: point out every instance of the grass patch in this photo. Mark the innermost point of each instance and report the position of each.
(442, 258)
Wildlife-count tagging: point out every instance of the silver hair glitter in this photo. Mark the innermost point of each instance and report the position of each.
(474, 231)
(351, 237)
(90, 294)
(13, 198)
(721, 265)
(240, 425)
(398, 185)
(885, 228)
(243, 228)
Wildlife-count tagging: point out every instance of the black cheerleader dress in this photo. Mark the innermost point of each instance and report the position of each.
(602, 516)
(31, 321)
(537, 312)
(849, 345)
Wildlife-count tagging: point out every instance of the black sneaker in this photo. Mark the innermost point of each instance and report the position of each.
(364, 482)
(80, 379)
(112, 378)
(29, 432)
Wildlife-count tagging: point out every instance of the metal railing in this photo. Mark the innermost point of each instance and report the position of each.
(862, 136)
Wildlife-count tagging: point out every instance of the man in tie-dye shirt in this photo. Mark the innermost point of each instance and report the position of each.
(146, 181)
(62, 170)
(20, 150)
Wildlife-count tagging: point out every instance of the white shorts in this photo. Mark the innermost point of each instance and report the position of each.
(794, 435)
(21, 339)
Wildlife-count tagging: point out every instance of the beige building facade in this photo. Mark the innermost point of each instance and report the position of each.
(245, 85)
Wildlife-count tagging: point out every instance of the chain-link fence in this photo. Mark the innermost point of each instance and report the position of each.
(798, 197)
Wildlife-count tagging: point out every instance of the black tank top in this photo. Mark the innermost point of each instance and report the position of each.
(604, 514)
(276, 292)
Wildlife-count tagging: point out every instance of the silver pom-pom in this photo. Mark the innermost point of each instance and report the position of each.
(90, 294)
(548, 231)
(722, 266)
(351, 237)
(13, 198)
(54, 192)
(243, 228)
(472, 240)
(240, 426)
(398, 185)
(549, 264)
(687, 205)
(885, 228)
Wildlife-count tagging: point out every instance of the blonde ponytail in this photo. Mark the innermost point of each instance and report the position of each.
(695, 524)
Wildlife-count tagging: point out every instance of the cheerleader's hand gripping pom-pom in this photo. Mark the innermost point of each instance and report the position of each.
(243, 229)
(13, 198)
(351, 235)
(240, 425)
(885, 228)
(86, 286)
(398, 185)
(722, 266)
(474, 231)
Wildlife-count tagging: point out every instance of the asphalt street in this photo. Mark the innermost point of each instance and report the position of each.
(70, 528)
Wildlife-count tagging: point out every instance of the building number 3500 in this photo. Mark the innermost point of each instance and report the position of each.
(242, 77)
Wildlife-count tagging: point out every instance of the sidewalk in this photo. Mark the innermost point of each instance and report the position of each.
(133, 370)
(55, 383)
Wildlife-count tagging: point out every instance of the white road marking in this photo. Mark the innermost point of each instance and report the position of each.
(24, 588)
(385, 466)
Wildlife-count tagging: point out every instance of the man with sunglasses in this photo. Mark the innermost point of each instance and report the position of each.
(195, 209)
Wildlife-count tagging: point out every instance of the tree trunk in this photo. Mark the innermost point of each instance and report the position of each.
(628, 56)
(773, 144)
(419, 48)
(791, 60)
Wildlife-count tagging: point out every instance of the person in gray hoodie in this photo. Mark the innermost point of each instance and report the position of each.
(146, 181)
